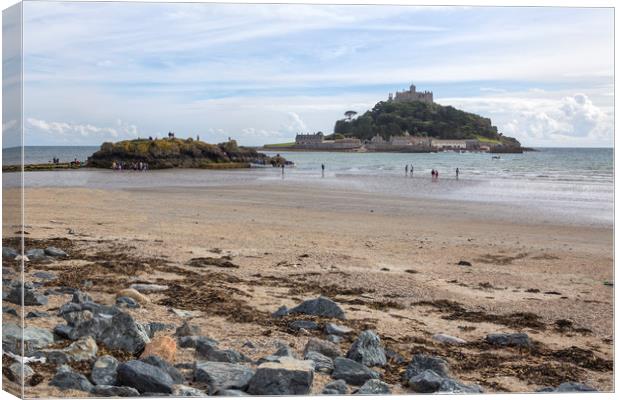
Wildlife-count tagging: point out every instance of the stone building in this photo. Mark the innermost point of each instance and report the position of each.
(412, 95)
(309, 139)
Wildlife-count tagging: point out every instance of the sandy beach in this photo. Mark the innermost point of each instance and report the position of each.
(391, 263)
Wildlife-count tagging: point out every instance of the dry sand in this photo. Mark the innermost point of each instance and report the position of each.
(390, 262)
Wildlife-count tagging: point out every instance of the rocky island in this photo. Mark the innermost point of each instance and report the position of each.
(409, 122)
(173, 152)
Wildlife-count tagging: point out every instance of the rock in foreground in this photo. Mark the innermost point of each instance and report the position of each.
(286, 377)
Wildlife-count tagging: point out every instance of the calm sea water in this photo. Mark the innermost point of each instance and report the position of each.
(575, 184)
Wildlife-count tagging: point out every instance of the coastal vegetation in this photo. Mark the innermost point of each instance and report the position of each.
(391, 118)
(179, 153)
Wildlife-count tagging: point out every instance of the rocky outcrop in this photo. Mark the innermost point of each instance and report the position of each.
(367, 350)
(177, 153)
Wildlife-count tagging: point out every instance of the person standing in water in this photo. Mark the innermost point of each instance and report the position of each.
(406, 169)
(282, 170)
(411, 170)
(322, 170)
(457, 173)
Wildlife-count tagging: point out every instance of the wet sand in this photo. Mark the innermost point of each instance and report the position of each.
(392, 263)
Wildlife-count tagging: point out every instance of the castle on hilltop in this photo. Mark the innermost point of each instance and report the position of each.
(412, 95)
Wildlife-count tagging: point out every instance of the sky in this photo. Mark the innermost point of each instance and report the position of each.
(96, 72)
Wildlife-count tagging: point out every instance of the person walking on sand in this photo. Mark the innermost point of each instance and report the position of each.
(322, 170)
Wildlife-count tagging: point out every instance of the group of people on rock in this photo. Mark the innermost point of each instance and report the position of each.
(135, 166)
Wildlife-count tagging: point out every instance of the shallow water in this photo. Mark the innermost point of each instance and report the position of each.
(574, 185)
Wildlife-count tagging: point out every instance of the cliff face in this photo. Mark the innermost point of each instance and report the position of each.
(178, 153)
(390, 118)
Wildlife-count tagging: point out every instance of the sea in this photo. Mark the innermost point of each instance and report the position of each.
(574, 184)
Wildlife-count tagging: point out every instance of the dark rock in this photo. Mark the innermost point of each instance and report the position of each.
(185, 365)
(212, 353)
(222, 376)
(352, 372)
(124, 333)
(324, 347)
(144, 377)
(128, 302)
(71, 380)
(115, 391)
(104, 371)
(367, 350)
(147, 288)
(37, 314)
(321, 362)
(280, 312)
(287, 377)
(9, 253)
(421, 362)
(464, 263)
(55, 252)
(165, 366)
(231, 393)
(193, 341)
(334, 329)
(9, 310)
(336, 387)
(509, 339)
(46, 276)
(427, 381)
(374, 386)
(31, 297)
(63, 331)
(321, 306)
(310, 325)
(249, 344)
(187, 330)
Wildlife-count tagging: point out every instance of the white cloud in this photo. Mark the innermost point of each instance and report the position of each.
(545, 121)
(66, 131)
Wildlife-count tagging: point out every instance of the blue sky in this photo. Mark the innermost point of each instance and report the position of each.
(97, 72)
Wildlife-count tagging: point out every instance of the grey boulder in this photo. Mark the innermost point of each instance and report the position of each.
(222, 376)
(422, 362)
(352, 372)
(187, 391)
(31, 297)
(67, 379)
(324, 347)
(322, 363)
(144, 377)
(321, 306)
(289, 376)
(367, 350)
(104, 371)
(55, 252)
